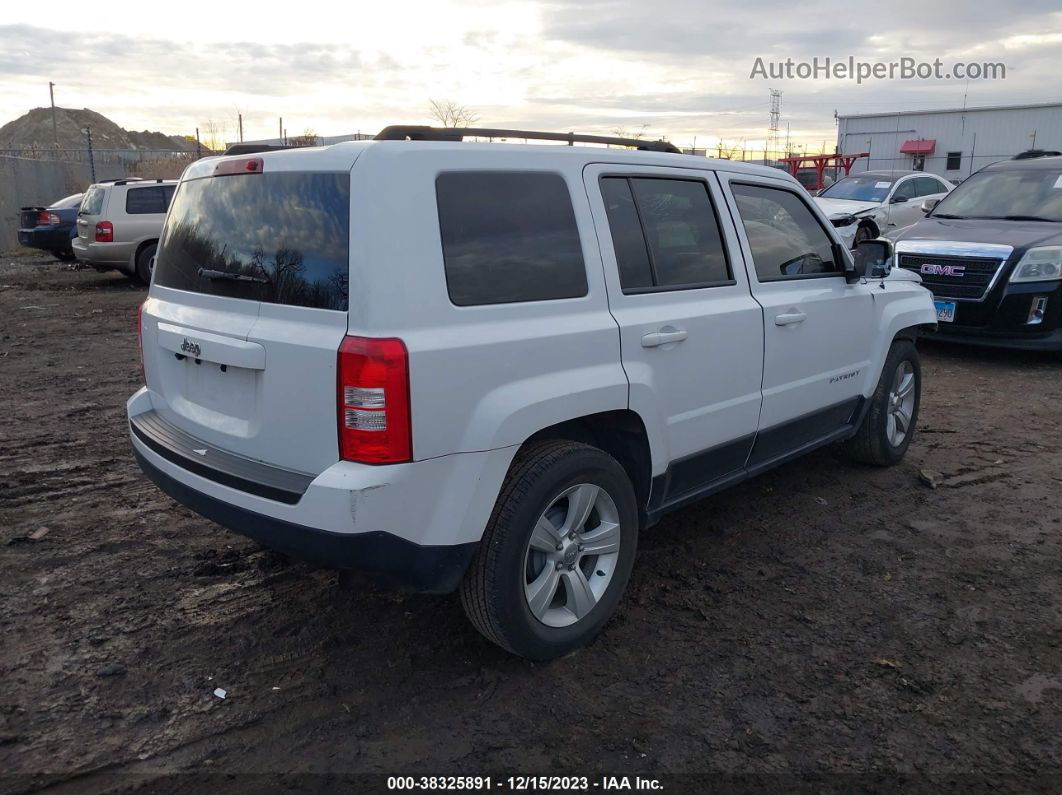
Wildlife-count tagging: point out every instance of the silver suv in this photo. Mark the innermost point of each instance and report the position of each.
(118, 225)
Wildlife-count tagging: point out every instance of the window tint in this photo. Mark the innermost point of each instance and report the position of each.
(280, 238)
(632, 257)
(927, 186)
(685, 244)
(509, 237)
(141, 201)
(92, 204)
(954, 161)
(906, 190)
(785, 238)
(665, 232)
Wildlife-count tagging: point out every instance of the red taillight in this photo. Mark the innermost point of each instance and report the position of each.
(373, 401)
(104, 232)
(45, 217)
(243, 165)
(140, 338)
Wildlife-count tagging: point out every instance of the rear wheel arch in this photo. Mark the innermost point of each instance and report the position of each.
(620, 433)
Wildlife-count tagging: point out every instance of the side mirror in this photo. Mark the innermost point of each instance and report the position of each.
(872, 259)
(929, 204)
(897, 200)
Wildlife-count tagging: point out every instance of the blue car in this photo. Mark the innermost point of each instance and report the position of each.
(51, 228)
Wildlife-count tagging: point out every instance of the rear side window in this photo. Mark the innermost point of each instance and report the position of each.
(665, 233)
(143, 201)
(281, 238)
(787, 241)
(92, 204)
(509, 237)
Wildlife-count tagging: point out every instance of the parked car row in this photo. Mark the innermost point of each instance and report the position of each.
(114, 225)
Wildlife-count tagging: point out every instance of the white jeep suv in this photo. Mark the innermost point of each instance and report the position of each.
(487, 367)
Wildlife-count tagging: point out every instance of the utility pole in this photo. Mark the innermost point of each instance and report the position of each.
(92, 161)
(280, 130)
(55, 128)
(240, 117)
(772, 127)
(198, 146)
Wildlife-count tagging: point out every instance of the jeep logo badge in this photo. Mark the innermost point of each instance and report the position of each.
(190, 347)
(931, 269)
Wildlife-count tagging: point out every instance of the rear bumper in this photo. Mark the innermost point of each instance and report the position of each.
(109, 255)
(47, 238)
(414, 526)
(393, 560)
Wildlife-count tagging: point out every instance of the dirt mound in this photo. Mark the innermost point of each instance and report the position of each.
(33, 130)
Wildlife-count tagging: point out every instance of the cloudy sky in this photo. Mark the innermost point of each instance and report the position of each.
(679, 68)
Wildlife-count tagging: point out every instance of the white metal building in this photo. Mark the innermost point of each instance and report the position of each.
(951, 143)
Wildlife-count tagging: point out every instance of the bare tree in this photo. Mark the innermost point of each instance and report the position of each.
(213, 135)
(637, 135)
(450, 114)
(308, 138)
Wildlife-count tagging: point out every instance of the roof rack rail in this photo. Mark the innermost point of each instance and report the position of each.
(250, 149)
(402, 132)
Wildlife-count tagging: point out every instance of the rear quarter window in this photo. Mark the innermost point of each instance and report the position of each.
(509, 237)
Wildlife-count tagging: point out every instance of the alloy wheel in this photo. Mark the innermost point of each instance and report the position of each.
(901, 404)
(571, 555)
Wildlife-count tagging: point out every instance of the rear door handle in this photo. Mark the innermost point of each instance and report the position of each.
(663, 337)
(789, 318)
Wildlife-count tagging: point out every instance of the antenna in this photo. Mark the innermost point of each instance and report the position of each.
(772, 128)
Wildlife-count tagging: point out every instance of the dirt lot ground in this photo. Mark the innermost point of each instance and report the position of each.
(822, 621)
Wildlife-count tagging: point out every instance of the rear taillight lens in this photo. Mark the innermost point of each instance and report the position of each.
(45, 217)
(373, 401)
(104, 232)
(140, 339)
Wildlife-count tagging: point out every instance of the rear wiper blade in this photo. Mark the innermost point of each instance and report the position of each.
(209, 273)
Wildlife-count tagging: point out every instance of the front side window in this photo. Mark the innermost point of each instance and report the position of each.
(906, 190)
(665, 233)
(147, 201)
(786, 239)
(509, 237)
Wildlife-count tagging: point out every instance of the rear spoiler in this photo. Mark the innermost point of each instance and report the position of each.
(251, 149)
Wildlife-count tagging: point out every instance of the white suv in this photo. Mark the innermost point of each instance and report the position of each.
(489, 366)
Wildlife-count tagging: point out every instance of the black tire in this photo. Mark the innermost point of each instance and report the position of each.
(64, 256)
(143, 263)
(871, 444)
(864, 232)
(492, 592)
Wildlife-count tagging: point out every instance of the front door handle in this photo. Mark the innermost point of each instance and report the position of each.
(790, 317)
(663, 337)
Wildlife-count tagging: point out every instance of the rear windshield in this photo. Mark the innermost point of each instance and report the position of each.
(92, 204)
(280, 238)
(68, 203)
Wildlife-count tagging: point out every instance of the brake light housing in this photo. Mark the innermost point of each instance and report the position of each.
(47, 217)
(104, 232)
(373, 401)
(241, 165)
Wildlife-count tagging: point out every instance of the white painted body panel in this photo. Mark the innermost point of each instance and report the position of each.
(483, 379)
